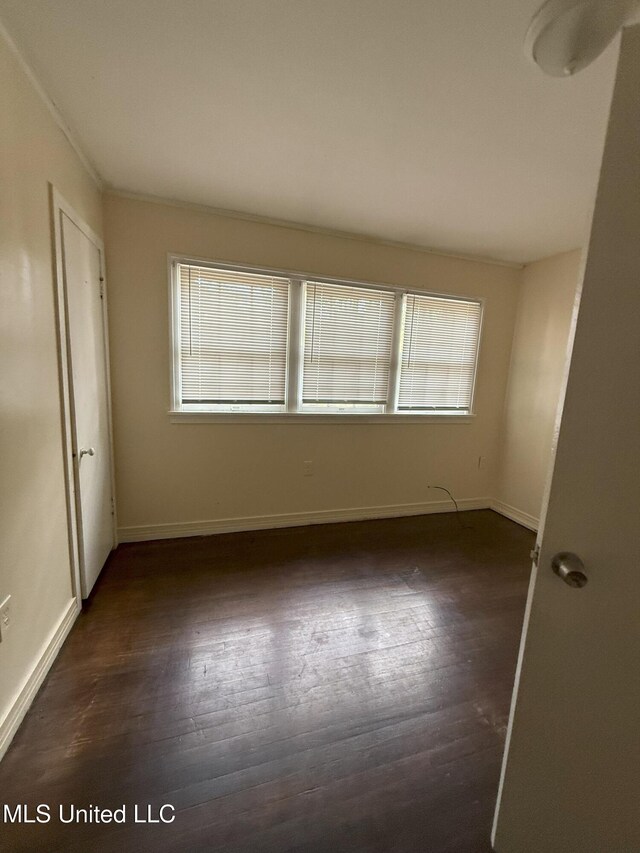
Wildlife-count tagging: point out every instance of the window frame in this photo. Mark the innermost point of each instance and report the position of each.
(292, 412)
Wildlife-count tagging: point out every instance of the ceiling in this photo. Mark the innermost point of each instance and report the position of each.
(413, 120)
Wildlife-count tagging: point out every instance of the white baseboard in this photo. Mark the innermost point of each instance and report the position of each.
(516, 515)
(144, 533)
(11, 722)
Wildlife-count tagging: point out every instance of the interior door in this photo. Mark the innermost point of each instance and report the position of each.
(91, 441)
(571, 776)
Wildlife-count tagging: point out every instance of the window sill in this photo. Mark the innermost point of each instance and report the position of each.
(178, 417)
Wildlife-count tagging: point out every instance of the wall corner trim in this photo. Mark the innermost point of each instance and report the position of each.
(516, 515)
(22, 702)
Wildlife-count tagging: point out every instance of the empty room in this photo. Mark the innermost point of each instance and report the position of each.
(319, 446)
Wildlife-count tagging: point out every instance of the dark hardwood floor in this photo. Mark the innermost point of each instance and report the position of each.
(338, 688)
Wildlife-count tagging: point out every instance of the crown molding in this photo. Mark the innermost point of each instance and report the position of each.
(51, 107)
(313, 229)
(219, 211)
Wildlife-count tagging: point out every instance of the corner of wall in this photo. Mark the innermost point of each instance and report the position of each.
(538, 356)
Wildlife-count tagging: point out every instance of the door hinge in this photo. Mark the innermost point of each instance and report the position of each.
(101, 280)
(535, 555)
(113, 507)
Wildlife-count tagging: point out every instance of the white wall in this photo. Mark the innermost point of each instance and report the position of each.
(170, 476)
(547, 296)
(34, 557)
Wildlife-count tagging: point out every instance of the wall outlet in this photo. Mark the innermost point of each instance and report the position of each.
(307, 468)
(5, 616)
(482, 462)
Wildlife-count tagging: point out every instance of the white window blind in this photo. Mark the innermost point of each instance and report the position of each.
(233, 339)
(439, 352)
(347, 347)
(267, 341)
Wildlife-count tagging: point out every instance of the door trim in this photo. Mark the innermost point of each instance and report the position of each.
(58, 207)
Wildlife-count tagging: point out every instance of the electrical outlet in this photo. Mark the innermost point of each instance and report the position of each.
(482, 462)
(307, 468)
(5, 616)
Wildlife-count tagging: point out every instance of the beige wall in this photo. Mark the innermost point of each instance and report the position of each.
(169, 473)
(176, 474)
(34, 558)
(537, 368)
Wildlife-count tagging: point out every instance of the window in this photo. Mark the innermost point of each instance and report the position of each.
(347, 347)
(259, 342)
(233, 339)
(439, 349)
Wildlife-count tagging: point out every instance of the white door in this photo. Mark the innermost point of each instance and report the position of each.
(571, 778)
(90, 430)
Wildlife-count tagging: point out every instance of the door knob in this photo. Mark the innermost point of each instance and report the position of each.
(89, 451)
(570, 568)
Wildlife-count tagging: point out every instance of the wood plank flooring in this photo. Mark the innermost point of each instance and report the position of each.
(332, 688)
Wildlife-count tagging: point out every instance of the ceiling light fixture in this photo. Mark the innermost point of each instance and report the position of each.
(567, 35)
